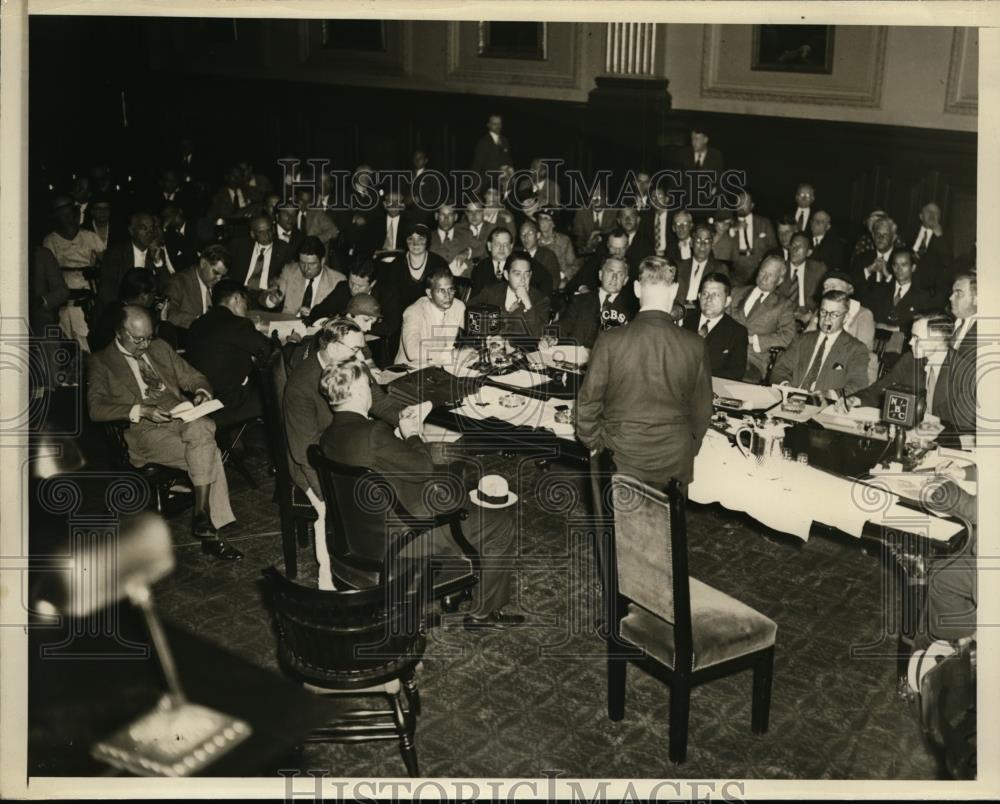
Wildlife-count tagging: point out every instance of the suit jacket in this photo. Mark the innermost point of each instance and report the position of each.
(489, 156)
(448, 250)
(584, 226)
(242, 248)
(650, 359)
(830, 252)
(845, 367)
(547, 259)
(814, 273)
(223, 206)
(582, 321)
(915, 302)
(112, 390)
(684, 160)
(181, 248)
(527, 326)
(936, 259)
(763, 240)
(867, 290)
(407, 465)
(908, 373)
(119, 260)
(642, 247)
(684, 268)
(223, 347)
(955, 391)
(483, 275)
(293, 284)
(308, 414)
(295, 238)
(186, 300)
(373, 234)
(727, 345)
(476, 242)
(771, 320)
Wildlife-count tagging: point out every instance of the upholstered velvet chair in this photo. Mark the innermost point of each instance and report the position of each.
(683, 631)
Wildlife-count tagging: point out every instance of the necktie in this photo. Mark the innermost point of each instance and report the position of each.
(607, 305)
(660, 246)
(302, 220)
(897, 295)
(447, 235)
(956, 335)
(817, 241)
(699, 159)
(802, 220)
(748, 310)
(390, 235)
(148, 261)
(744, 242)
(498, 269)
(150, 377)
(931, 382)
(597, 218)
(703, 330)
(307, 297)
(812, 374)
(692, 293)
(258, 272)
(206, 299)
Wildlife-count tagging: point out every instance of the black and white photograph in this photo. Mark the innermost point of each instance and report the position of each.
(591, 402)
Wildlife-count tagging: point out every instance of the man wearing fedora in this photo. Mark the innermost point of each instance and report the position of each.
(406, 462)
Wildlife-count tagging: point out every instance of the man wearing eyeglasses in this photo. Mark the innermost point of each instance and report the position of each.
(139, 378)
(827, 359)
(701, 263)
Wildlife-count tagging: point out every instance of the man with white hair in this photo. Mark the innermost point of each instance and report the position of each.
(406, 462)
(650, 359)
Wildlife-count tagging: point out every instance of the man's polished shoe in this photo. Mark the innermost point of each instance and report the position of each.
(497, 620)
(202, 528)
(221, 550)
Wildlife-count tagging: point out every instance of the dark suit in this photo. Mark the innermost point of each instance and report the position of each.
(830, 252)
(684, 268)
(771, 320)
(727, 345)
(936, 261)
(549, 262)
(685, 160)
(409, 467)
(640, 248)
(118, 261)
(913, 303)
(650, 359)
(308, 414)
(907, 373)
(528, 325)
(181, 248)
(584, 226)
(845, 366)
(955, 392)
(224, 206)
(814, 273)
(483, 275)
(762, 240)
(242, 249)
(867, 289)
(295, 238)
(223, 347)
(584, 318)
(490, 156)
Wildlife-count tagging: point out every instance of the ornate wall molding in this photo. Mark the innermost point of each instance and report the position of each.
(863, 90)
(558, 70)
(395, 60)
(960, 98)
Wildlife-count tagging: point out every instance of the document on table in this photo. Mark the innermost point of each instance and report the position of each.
(853, 421)
(753, 397)
(432, 433)
(188, 412)
(522, 379)
(286, 328)
(569, 356)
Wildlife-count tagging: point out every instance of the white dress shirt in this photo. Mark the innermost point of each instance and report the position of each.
(684, 246)
(697, 271)
(752, 298)
(923, 238)
(511, 299)
(257, 250)
(284, 235)
(709, 322)
(798, 273)
(206, 294)
(138, 257)
(828, 341)
(391, 225)
(495, 137)
(747, 233)
(802, 217)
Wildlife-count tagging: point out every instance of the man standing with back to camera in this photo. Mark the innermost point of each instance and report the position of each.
(647, 394)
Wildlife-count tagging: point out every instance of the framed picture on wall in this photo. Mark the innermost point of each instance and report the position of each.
(512, 40)
(793, 48)
(363, 35)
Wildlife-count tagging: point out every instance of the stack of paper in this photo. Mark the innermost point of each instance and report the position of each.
(286, 328)
(753, 397)
(187, 412)
(522, 379)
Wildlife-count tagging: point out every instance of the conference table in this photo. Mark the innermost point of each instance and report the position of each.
(835, 477)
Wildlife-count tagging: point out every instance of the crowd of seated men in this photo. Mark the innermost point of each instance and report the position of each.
(159, 286)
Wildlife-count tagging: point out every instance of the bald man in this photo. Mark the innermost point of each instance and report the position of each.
(138, 378)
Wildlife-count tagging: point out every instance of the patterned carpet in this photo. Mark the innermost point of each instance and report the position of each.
(532, 700)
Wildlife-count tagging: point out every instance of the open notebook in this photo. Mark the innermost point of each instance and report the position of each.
(188, 411)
